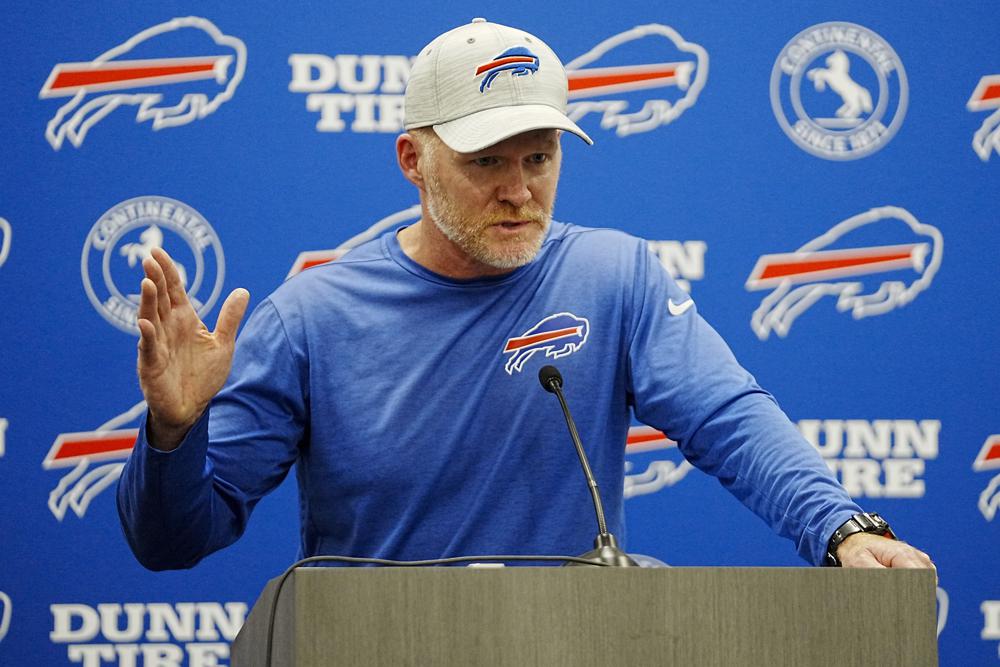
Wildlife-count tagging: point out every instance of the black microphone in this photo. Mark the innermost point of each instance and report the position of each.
(605, 545)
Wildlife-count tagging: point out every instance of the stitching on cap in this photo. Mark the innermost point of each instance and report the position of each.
(436, 55)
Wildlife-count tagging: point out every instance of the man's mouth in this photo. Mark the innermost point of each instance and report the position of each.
(514, 224)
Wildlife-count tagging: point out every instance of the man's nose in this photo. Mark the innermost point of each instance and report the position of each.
(514, 189)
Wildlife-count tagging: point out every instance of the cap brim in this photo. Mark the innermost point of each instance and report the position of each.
(482, 129)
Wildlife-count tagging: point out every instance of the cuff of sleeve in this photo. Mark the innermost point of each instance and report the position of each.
(194, 444)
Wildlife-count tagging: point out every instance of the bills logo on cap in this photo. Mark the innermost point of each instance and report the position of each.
(835, 264)
(209, 79)
(989, 459)
(517, 60)
(557, 335)
(77, 451)
(986, 96)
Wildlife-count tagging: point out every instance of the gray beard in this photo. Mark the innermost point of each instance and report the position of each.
(470, 241)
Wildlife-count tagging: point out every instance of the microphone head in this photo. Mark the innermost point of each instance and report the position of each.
(550, 377)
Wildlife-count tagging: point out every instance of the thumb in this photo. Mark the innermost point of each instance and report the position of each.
(231, 314)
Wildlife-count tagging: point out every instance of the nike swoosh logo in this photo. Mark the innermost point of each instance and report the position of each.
(679, 308)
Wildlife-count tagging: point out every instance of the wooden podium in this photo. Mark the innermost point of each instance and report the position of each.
(580, 616)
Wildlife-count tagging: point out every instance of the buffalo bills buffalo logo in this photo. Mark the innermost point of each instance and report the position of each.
(989, 459)
(174, 73)
(517, 60)
(557, 335)
(866, 278)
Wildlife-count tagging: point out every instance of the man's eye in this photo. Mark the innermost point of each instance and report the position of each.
(539, 158)
(487, 161)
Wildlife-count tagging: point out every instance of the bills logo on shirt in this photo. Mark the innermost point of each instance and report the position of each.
(557, 335)
(517, 60)
(986, 97)
(840, 263)
(189, 55)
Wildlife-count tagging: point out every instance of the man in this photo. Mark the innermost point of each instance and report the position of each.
(433, 438)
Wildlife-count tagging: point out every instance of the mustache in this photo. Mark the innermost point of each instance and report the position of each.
(529, 213)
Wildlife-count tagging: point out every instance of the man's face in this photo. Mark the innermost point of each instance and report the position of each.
(495, 205)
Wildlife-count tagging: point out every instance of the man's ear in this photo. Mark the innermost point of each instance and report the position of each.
(407, 158)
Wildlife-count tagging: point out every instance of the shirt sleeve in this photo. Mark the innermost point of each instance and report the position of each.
(686, 382)
(177, 507)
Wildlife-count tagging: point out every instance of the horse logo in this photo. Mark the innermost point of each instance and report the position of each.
(837, 74)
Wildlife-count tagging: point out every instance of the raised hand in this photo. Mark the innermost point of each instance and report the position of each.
(182, 364)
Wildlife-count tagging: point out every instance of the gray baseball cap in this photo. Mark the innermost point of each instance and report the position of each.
(483, 82)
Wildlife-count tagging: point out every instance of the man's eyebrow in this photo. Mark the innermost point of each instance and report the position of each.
(541, 142)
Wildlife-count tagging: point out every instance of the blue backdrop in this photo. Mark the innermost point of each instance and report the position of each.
(823, 178)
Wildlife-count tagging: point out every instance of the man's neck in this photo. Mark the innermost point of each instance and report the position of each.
(426, 245)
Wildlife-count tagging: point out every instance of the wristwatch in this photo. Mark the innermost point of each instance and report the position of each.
(859, 523)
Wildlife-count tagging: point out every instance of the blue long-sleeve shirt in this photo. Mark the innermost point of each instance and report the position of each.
(411, 405)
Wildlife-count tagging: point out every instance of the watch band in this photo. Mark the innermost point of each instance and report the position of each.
(859, 523)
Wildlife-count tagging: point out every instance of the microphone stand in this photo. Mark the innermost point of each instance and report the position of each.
(606, 548)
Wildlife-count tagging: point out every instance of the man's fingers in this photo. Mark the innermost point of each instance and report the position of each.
(175, 288)
(232, 313)
(866, 559)
(147, 343)
(155, 273)
(148, 310)
(912, 557)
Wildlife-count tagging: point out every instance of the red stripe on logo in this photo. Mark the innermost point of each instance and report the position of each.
(989, 455)
(646, 439)
(810, 265)
(524, 341)
(84, 76)
(644, 436)
(993, 454)
(70, 448)
(581, 80)
(991, 93)
(316, 262)
(986, 95)
(503, 61)
(102, 445)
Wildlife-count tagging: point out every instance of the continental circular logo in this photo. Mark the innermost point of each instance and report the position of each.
(111, 263)
(839, 91)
